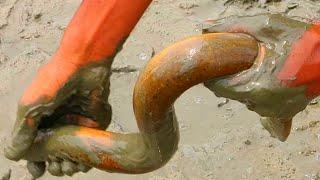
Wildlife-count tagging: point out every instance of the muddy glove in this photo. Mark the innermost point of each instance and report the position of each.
(73, 87)
(284, 79)
(80, 97)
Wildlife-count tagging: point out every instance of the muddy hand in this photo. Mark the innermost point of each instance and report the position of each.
(61, 93)
(164, 79)
(284, 79)
(73, 87)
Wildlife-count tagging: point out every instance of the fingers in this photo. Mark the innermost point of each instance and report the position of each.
(61, 167)
(36, 169)
(68, 167)
(83, 168)
(54, 168)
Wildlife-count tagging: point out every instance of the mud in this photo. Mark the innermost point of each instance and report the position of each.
(213, 138)
(258, 87)
(213, 55)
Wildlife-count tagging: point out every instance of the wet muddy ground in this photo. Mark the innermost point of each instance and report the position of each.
(219, 139)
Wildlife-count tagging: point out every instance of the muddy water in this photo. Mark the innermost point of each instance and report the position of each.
(225, 142)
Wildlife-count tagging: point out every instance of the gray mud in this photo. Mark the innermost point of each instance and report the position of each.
(219, 139)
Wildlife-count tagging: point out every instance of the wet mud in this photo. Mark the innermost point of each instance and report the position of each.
(214, 140)
(168, 74)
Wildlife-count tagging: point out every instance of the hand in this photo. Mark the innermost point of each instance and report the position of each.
(280, 83)
(73, 88)
(61, 93)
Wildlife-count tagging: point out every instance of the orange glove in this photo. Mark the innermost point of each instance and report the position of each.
(287, 76)
(74, 86)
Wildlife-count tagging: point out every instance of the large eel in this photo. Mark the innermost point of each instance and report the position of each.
(167, 75)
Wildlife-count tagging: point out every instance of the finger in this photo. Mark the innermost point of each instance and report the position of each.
(83, 168)
(55, 168)
(68, 167)
(36, 169)
(22, 137)
(36, 102)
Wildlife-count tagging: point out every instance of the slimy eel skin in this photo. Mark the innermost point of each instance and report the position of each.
(167, 75)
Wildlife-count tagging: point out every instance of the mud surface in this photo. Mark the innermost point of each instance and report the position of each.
(219, 139)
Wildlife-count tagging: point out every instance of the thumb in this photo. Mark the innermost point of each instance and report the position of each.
(22, 135)
(50, 88)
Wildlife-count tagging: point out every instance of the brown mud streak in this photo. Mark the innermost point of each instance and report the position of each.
(165, 78)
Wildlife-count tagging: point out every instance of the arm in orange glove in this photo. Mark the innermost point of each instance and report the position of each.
(287, 77)
(74, 85)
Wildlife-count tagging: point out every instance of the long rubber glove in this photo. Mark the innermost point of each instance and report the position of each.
(73, 87)
(285, 80)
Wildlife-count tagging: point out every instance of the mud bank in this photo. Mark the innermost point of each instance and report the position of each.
(216, 142)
